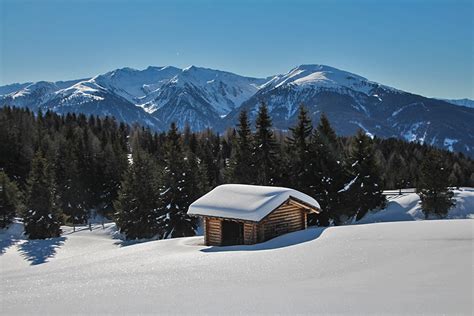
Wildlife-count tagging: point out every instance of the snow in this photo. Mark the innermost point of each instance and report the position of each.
(363, 128)
(406, 207)
(149, 89)
(348, 185)
(135, 85)
(322, 76)
(395, 113)
(416, 132)
(378, 97)
(422, 267)
(224, 91)
(247, 202)
(12, 88)
(449, 142)
(155, 87)
(81, 92)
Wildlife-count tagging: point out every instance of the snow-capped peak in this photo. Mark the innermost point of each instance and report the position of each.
(203, 97)
(322, 76)
(133, 84)
(190, 68)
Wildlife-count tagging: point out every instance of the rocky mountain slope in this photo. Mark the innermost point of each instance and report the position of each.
(207, 98)
(461, 102)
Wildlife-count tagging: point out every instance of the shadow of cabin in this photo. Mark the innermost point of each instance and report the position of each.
(245, 215)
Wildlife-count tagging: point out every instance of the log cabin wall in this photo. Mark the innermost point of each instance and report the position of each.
(204, 225)
(213, 232)
(250, 233)
(285, 219)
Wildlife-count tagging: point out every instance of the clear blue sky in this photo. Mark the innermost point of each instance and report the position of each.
(424, 47)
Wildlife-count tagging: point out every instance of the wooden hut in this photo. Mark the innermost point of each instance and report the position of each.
(236, 214)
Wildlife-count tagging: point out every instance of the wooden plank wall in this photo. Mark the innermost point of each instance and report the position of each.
(204, 225)
(213, 229)
(285, 219)
(250, 233)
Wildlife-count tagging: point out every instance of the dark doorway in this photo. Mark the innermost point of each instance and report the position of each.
(232, 233)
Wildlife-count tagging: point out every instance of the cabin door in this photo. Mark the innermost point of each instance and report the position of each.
(232, 233)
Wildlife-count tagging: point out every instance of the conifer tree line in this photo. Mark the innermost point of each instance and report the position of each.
(63, 169)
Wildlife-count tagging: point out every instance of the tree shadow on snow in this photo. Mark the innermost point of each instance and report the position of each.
(10, 236)
(6, 242)
(286, 240)
(38, 251)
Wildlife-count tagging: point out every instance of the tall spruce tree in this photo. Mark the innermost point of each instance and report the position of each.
(327, 133)
(299, 153)
(114, 166)
(137, 206)
(176, 192)
(70, 185)
(329, 172)
(42, 215)
(10, 200)
(365, 190)
(398, 167)
(210, 151)
(436, 197)
(264, 155)
(240, 168)
(194, 186)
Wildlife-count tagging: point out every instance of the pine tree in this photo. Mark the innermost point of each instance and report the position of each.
(195, 185)
(10, 200)
(240, 169)
(365, 190)
(137, 206)
(42, 215)
(299, 152)
(436, 197)
(70, 185)
(210, 151)
(114, 165)
(264, 155)
(398, 167)
(327, 133)
(328, 172)
(177, 190)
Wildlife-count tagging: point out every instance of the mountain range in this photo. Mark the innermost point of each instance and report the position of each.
(208, 98)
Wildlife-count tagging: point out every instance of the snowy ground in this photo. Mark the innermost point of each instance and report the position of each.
(416, 267)
(406, 207)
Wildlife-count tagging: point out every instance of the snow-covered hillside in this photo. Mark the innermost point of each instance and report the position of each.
(416, 267)
(323, 77)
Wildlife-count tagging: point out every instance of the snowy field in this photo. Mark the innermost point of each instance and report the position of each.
(410, 267)
(406, 207)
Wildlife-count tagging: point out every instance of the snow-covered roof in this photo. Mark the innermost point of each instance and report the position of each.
(246, 202)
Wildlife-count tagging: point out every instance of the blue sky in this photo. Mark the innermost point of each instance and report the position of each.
(426, 47)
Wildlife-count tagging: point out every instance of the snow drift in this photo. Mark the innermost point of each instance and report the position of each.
(407, 207)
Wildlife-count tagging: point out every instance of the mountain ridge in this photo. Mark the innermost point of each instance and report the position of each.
(461, 102)
(209, 98)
